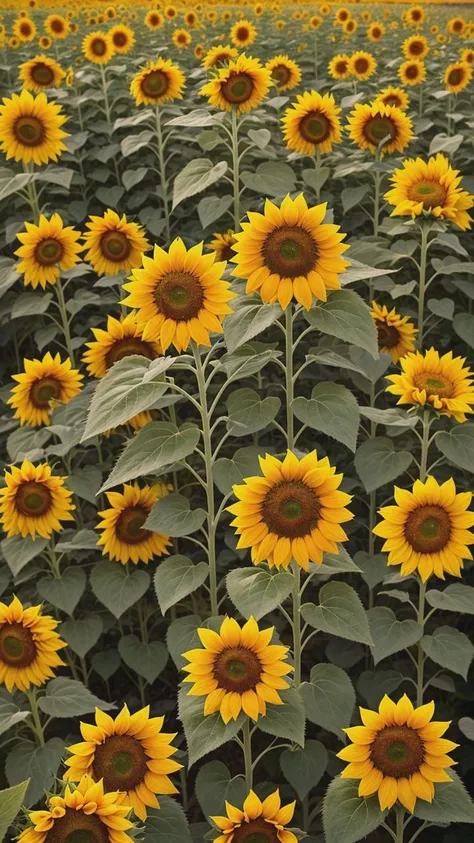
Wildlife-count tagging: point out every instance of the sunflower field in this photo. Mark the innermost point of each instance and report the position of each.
(237, 331)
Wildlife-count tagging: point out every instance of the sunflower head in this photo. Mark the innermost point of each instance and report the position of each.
(415, 47)
(412, 72)
(362, 65)
(369, 125)
(237, 670)
(57, 26)
(43, 383)
(181, 38)
(124, 536)
(122, 338)
(33, 501)
(154, 19)
(312, 123)
(339, 66)
(284, 72)
(122, 38)
(241, 85)
(30, 128)
(375, 31)
(114, 244)
(40, 73)
(47, 249)
(223, 244)
(257, 822)
(24, 29)
(243, 33)
(395, 333)
(457, 76)
(393, 96)
(98, 47)
(160, 81)
(29, 646)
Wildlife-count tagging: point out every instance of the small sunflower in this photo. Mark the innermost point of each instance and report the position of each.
(456, 25)
(222, 245)
(24, 29)
(114, 244)
(69, 80)
(284, 72)
(98, 47)
(312, 123)
(181, 38)
(191, 19)
(415, 15)
(294, 511)
(170, 12)
(457, 76)
(342, 15)
(43, 381)
(315, 22)
(370, 124)
(218, 56)
(258, 821)
(45, 42)
(467, 56)
(440, 381)
(242, 85)
(47, 249)
(288, 252)
(122, 338)
(180, 296)
(398, 753)
(84, 812)
(160, 81)
(130, 754)
(33, 501)
(412, 72)
(28, 646)
(30, 128)
(375, 31)
(362, 65)
(393, 96)
(238, 670)
(122, 38)
(243, 33)
(40, 73)
(56, 26)
(395, 333)
(415, 47)
(339, 66)
(153, 19)
(422, 188)
(350, 26)
(123, 535)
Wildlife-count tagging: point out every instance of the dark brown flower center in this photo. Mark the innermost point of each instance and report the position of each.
(129, 526)
(387, 335)
(291, 509)
(170, 13)
(25, 29)
(78, 827)
(155, 84)
(42, 74)
(179, 296)
(28, 130)
(412, 71)
(43, 391)
(220, 58)
(416, 48)
(430, 193)
(120, 39)
(342, 16)
(115, 246)
(392, 99)
(428, 529)
(416, 15)
(227, 253)
(376, 32)
(49, 251)
(341, 66)
(361, 65)
(154, 20)
(98, 47)
(281, 75)
(290, 251)
(238, 88)
(456, 76)
(121, 762)
(181, 38)
(434, 384)
(129, 345)
(397, 751)
(33, 499)
(242, 33)
(17, 646)
(255, 831)
(237, 669)
(57, 25)
(378, 128)
(458, 26)
(315, 127)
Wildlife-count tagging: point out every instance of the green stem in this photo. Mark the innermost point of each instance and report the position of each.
(400, 815)
(421, 598)
(236, 169)
(37, 728)
(207, 443)
(289, 376)
(297, 648)
(420, 102)
(33, 200)
(247, 750)
(108, 115)
(422, 284)
(317, 167)
(64, 319)
(425, 444)
(164, 182)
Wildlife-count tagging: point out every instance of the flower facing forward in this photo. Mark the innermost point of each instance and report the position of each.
(160, 81)
(47, 249)
(289, 252)
(457, 76)
(123, 535)
(237, 670)
(114, 244)
(294, 511)
(84, 812)
(40, 73)
(28, 646)
(371, 124)
(428, 529)
(362, 65)
(243, 33)
(30, 128)
(339, 66)
(130, 754)
(430, 188)
(412, 72)
(433, 380)
(312, 123)
(257, 822)
(33, 501)
(395, 333)
(398, 754)
(179, 296)
(241, 84)
(284, 71)
(98, 47)
(43, 383)
(121, 338)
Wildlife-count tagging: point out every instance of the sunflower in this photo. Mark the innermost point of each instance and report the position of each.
(222, 245)
(441, 38)
(153, 19)
(398, 753)
(238, 670)
(28, 646)
(467, 56)
(370, 124)
(415, 15)
(45, 42)
(457, 76)
(312, 123)
(160, 81)
(43, 381)
(122, 338)
(40, 73)
(456, 25)
(130, 754)
(30, 128)
(217, 56)
(69, 81)
(114, 244)
(123, 536)
(24, 29)
(294, 511)
(180, 296)
(395, 333)
(191, 19)
(315, 22)
(415, 47)
(98, 47)
(84, 812)
(339, 66)
(170, 12)
(342, 15)
(122, 37)
(33, 501)
(289, 252)
(284, 72)
(440, 381)
(181, 38)
(242, 85)
(56, 26)
(259, 821)
(13, 42)
(362, 65)
(375, 31)
(47, 248)
(412, 72)
(243, 33)
(393, 96)
(422, 188)
(350, 26)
